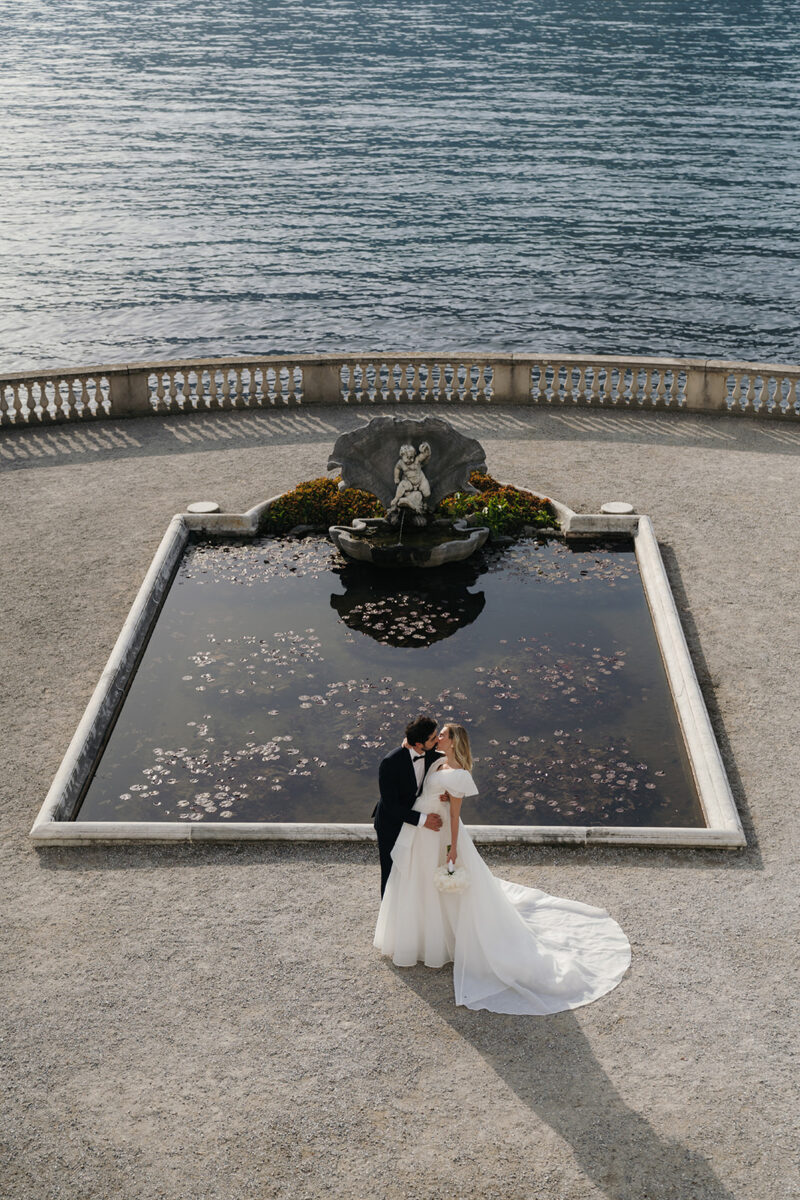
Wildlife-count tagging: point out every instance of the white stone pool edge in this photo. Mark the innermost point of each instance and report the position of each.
(723, 828)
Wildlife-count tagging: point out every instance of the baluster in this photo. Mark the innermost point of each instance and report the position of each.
(401, 381)
(481, 383)
(225, 394)
(763, 396)
(777, 401)
(460, 387)
(791, 397)
(95, 403)
(50, 408)
(647, 390)
(291, 385)
(403, 389)
(72, 406)
(633, 394)
(659, 399)
(201, 393)
(568, 393)
(544, 383)
(594, 395)
(749, 396)
(634, 387)
(440, 393)
(559, 383)
(44, 400)
(350, 390)
(389, 392)
(416, 394)
(426, 393)
(80, 396)
(237, 392)
(30, 401)
(212, 401)
(604, 392)
(442, 390)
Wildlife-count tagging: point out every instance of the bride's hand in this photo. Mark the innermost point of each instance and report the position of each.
(451, 855)
(444, 797)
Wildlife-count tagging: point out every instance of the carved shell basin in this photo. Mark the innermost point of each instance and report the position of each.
(367, 457)
(374, 540)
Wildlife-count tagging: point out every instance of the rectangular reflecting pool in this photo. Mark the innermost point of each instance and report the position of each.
(277, 676)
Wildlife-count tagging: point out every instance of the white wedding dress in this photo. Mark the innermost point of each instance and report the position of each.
(514, 949)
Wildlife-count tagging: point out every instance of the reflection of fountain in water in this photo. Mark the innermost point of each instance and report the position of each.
(428, 608)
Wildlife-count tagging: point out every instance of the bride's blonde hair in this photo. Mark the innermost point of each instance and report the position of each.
(461, 750)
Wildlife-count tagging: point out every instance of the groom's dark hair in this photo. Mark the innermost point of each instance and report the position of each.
(420, 730)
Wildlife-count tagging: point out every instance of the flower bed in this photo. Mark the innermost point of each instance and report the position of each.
(319, 503)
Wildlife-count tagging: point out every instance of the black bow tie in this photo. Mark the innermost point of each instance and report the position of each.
(416, 757)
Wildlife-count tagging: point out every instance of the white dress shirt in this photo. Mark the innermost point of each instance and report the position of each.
(419, 767)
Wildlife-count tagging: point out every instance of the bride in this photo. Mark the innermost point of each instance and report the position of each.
(514, 949)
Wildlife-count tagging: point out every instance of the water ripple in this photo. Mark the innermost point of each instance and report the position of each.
(228, 177)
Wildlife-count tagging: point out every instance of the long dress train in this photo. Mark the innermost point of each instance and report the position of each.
(514, 949)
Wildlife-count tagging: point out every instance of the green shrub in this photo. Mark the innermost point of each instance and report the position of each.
(505, 510)
(318, 502)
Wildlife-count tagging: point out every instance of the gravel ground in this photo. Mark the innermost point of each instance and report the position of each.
(211, 1021)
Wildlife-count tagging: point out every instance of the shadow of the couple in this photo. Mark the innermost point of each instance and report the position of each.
(549, 1063)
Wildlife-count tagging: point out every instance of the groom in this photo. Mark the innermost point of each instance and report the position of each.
(400, 778)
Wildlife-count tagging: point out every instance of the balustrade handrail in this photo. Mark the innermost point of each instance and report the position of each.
(622, 382)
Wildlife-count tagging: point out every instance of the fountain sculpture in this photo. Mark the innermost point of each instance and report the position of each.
(410, 464)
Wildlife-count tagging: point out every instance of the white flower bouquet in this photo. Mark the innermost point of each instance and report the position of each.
(451, 879)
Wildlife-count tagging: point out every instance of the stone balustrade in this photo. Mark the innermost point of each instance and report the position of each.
(564, 381)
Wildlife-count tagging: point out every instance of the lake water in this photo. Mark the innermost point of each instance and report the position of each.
(193, 177)
(278, 676)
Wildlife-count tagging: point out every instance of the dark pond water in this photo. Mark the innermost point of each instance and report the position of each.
(182, 178)
(278, 676)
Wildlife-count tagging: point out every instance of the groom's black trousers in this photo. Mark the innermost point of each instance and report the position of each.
(387, 836)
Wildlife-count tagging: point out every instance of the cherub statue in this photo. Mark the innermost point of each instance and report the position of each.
(413, 488)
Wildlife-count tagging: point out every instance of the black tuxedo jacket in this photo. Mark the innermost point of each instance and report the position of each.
(397, 781)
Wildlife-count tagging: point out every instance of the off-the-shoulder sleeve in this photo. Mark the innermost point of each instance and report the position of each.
(461, 783)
